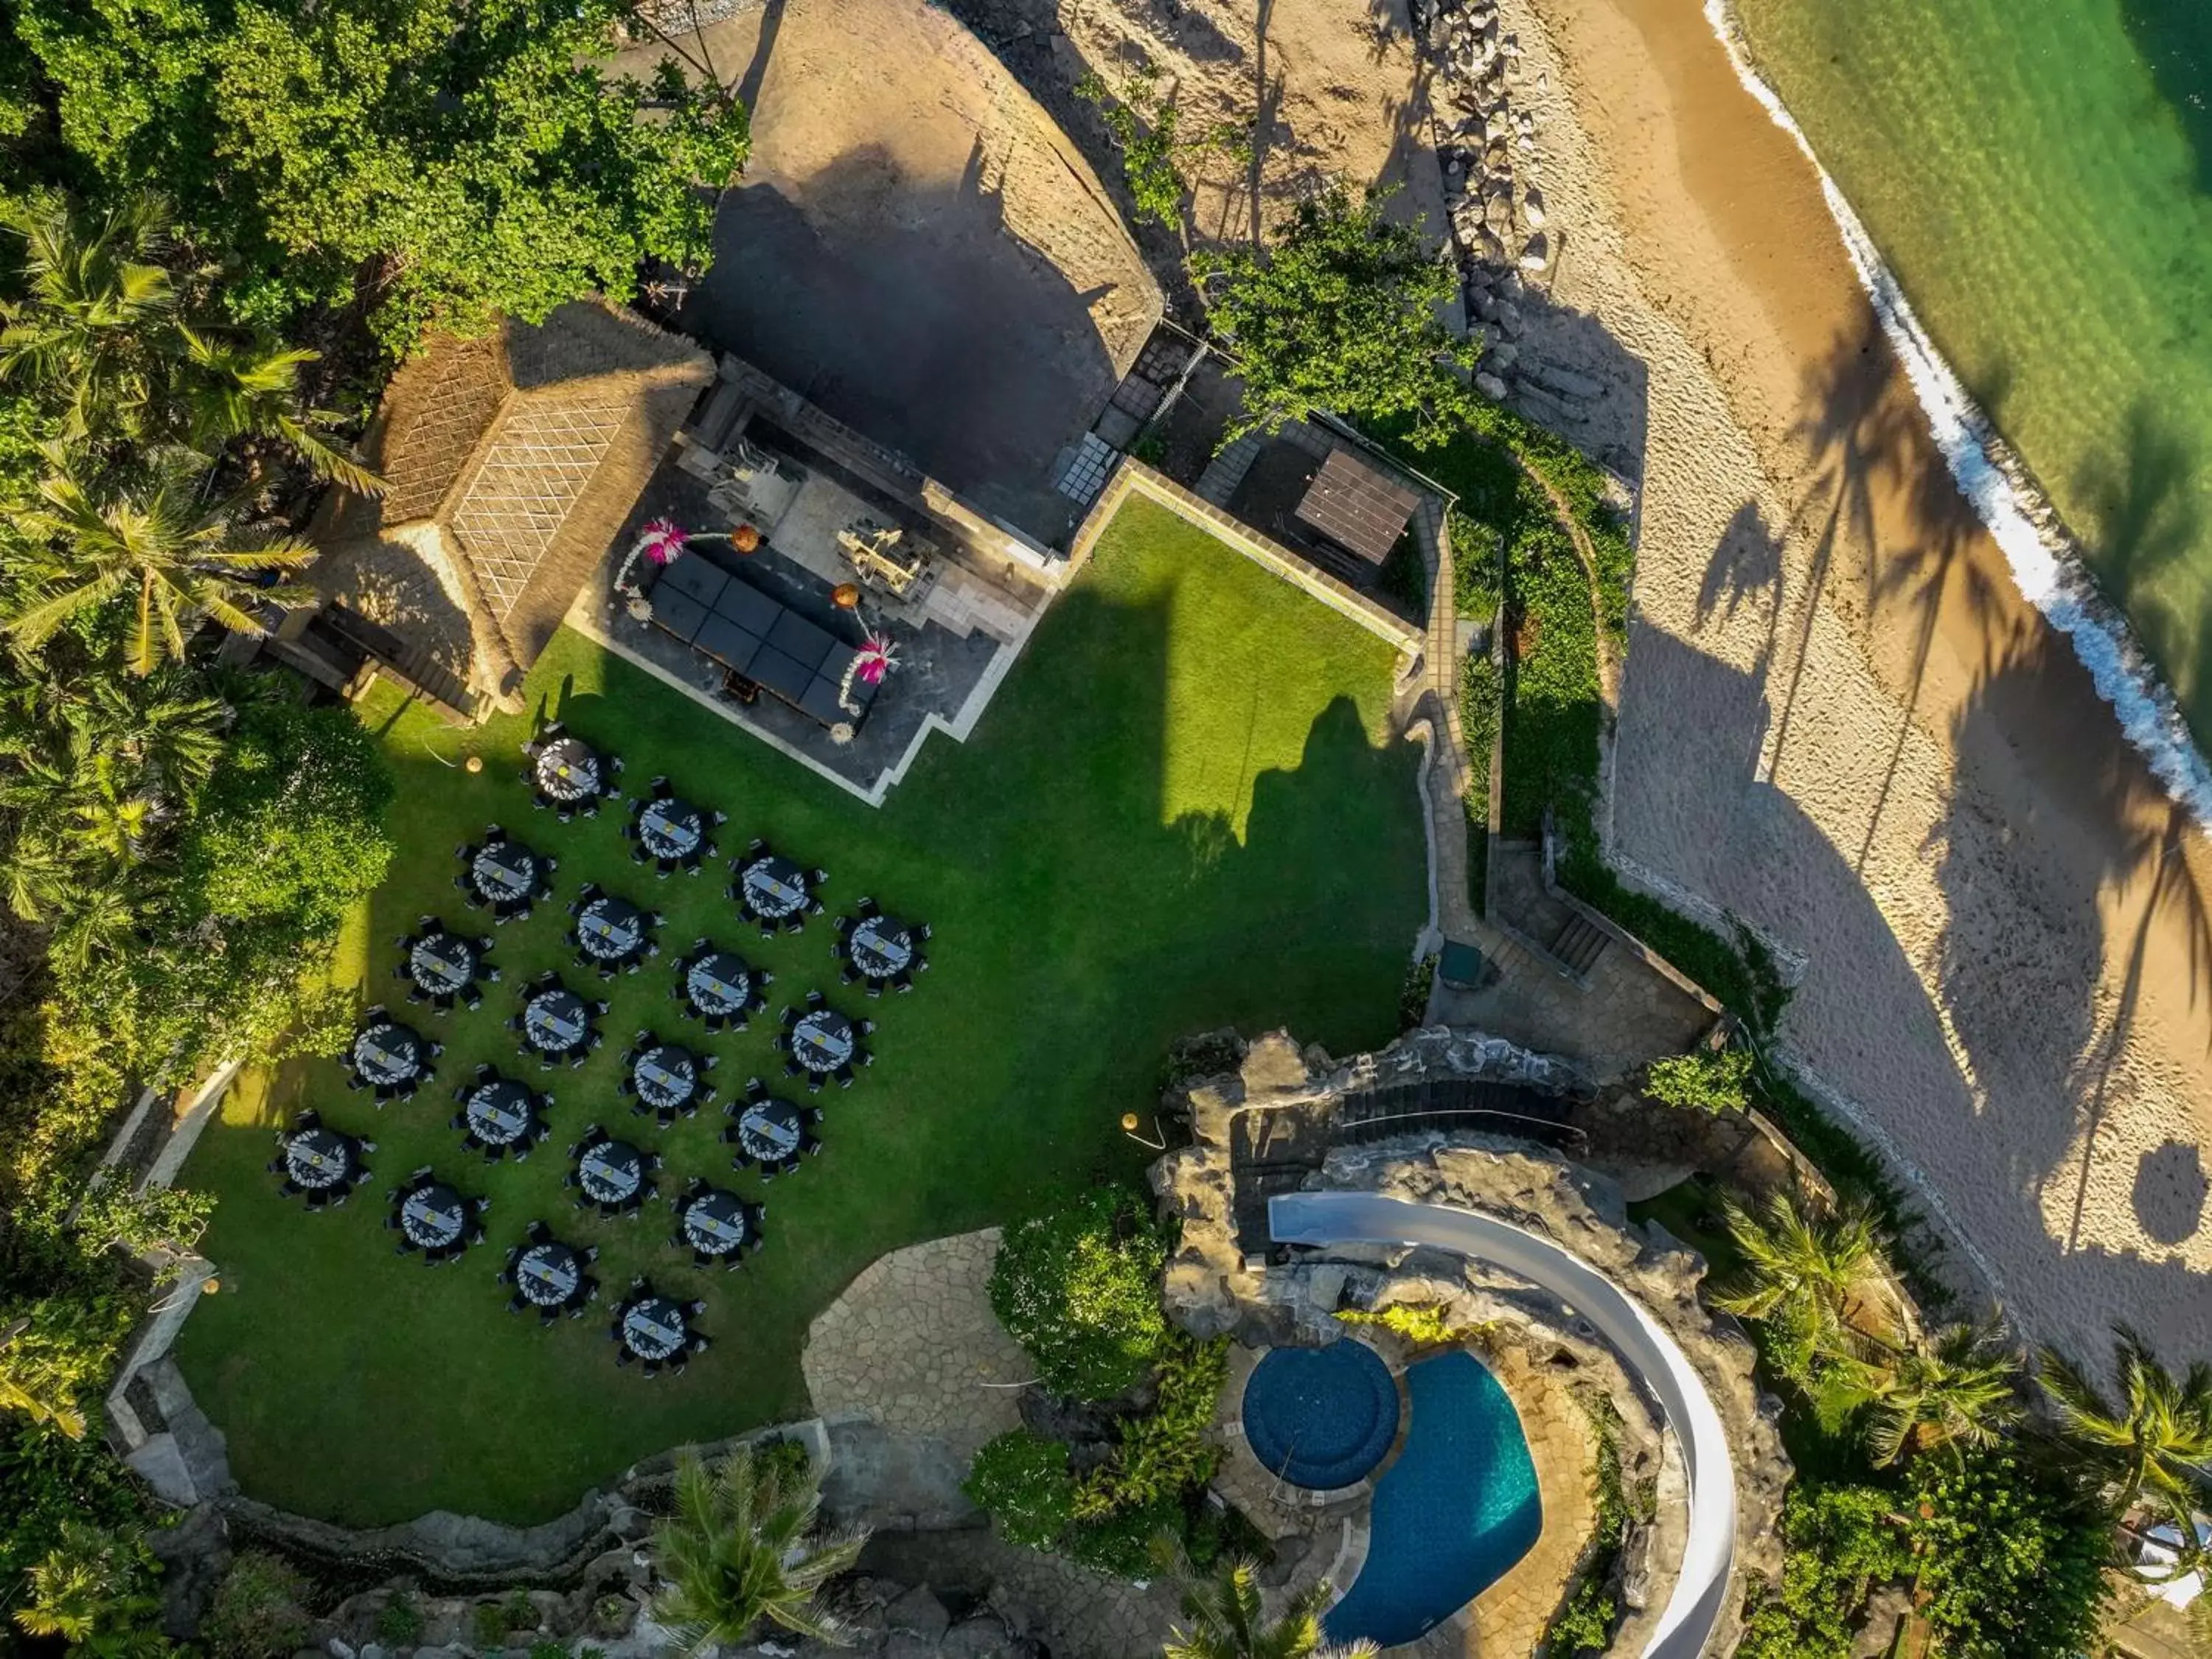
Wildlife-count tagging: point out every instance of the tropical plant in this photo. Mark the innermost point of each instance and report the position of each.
(1021, 1480)
(54, 1349)
(105, 337)
(1703, 1081)
(1425, 1324)
(2152, 1444)
(1840, 1540)
(1079, 1290)
(1163, 1454)
(1819, 1282)
(2011, 1562)
(155, 545)
(1223, 1619)
(95, 292)
(1341, 314)
(434, 162)
(94, 1590)
(740, 1547)
(1956, 1389)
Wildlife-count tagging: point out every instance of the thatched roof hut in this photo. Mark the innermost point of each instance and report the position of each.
(510, 461)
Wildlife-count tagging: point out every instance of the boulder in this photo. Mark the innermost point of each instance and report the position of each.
(919, 1614)
(1535, 252)
(1490, 387)
(1502, 357)
(1532, 207)
(1567, 382)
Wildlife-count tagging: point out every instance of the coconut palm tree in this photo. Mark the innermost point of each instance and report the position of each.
(1822, 1282)
(95, 298)
(2154, 1444)
(1958, 1387)
(741, 1547)
(153, 544)
(228, 390)
(1226, 1620)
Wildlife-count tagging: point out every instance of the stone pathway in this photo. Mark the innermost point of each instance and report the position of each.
(913, 1343)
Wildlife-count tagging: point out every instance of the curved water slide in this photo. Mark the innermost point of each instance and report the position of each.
(1701, 1588)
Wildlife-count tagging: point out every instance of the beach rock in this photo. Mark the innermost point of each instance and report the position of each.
(1509, 320)
(1532, 207)
(1566, 382)
(1490, 387)
(919, 1612)
(1535, 253)
(1502, 357)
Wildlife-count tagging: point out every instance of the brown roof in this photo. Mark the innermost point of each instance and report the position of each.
(1358, 506)
(510, 463)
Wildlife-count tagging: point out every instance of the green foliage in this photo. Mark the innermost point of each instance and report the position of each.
(1422, 1323)
(520, 1610)
(1840, 1540)
(549, 1649)
(1819, 1281)
(1125, 1542)
(1079, 1290)
(259, 1611)
(1021, 1480)
(1224, 1617)
(488, 1626)
(1340, 315)
(94, 1591)
(1413, 995)
(2153, 1444)
(399, 1621)
(1584, 1624)
(1703, 1080)
(741, 1546)
(1144, 128)
(56, 1350)
(48, 1480)
(1479, 712)
(292, 827)
(2012, 1562)
(1163, 1454)
(438, 161)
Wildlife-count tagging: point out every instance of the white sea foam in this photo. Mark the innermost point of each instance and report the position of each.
(2046, 561)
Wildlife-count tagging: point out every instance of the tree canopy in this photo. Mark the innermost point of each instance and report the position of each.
(439, 161)
(1341, 313)
(1079, 1290)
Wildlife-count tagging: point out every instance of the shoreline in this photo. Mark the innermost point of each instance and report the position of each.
(2046, 558)
(1841, 720)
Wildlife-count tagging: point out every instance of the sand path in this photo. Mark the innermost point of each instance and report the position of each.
(1840, 721)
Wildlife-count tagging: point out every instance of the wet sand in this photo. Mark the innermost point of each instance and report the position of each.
(1841, 722)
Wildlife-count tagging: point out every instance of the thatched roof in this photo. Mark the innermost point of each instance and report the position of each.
(510, 461)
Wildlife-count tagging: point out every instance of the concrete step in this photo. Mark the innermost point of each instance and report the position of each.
(1578, 945)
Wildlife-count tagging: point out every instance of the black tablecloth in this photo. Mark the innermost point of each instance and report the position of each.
(715, 1222)
(666, 1076)
(610, 929)
(770, 1130)
(880, 947)
(774, 888)
(549, 1275)
(555, 1022)
(719, 984)
(318, 1159)
(611, 1172)
(443, 964)
(569, 770)
(434, 1216)
(671, 829)
(388, 1055)
(499, 1112)
(823, 1041)
(654, 1328)
(504, 873)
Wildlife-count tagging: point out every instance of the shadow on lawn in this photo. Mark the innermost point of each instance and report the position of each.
(1076, 935)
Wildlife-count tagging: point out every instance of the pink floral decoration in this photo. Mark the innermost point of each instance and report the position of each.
(873, 658)
(661, 539)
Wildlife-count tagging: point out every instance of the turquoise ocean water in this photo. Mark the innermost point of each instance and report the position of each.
(2038, 175)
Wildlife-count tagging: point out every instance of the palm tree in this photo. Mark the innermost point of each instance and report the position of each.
(153, 544)
(1822, 1282)
(1957, 1388)
(34, 1392)
(94, 295)
(2155, 1445)
(1227, 1621)
(741, 1547)
(232, 390)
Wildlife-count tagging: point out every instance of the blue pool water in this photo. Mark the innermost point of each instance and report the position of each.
(1320, 1417)
(1451, 1514)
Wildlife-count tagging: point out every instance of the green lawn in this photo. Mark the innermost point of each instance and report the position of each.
(1175, 816)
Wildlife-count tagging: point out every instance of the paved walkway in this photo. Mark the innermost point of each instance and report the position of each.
(913, 1343)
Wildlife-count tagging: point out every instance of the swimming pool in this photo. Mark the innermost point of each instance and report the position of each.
(1320, 1417)
(1455, 1511)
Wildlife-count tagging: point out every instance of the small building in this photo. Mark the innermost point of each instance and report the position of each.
(511, 462)
(1357, 506)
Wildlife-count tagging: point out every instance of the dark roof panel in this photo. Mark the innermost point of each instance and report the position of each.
(1358, 506)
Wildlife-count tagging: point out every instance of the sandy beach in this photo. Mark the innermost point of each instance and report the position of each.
(1840, 721)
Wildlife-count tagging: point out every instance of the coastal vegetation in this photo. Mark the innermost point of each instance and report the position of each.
(742, 1546)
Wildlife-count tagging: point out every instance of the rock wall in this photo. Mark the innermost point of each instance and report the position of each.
(1212, 1287)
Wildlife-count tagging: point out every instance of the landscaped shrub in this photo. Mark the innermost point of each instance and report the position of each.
(1422, 1323)
(399, 1621)
(1841, 1542)
(1413, 995)
(259, 1610)
(1478, 724)
(1703, 1081)
(1021, 1480)
(1126, 1541)
(1079, 1290)
(1143, 124)
(2012, 1561)
(1163, 1453)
